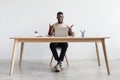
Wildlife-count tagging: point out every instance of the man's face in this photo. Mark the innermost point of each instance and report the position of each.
(60, 18)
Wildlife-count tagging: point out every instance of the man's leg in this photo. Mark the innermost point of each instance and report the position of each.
(64, 47)
(53, 47)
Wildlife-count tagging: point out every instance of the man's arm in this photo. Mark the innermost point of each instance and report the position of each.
(70, 32)
(51, 30)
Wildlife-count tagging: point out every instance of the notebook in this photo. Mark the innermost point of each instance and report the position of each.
(61, 31)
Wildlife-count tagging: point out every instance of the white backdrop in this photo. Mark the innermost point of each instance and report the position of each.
(23, 17)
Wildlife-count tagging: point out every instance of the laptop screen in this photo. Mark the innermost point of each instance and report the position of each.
(61, 31)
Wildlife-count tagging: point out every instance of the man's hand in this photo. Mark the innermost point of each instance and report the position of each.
(50, 25)
(51, 30)
(70, 27)
(70, 30)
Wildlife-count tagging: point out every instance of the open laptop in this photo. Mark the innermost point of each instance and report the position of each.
(61, 31)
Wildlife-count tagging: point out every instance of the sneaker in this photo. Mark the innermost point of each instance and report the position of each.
(57, 68)
(60, 64)
(61, 67)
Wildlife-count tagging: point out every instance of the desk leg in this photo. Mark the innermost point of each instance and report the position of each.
(105, 55)
(13, 57)
(97, 53)
(21, 54)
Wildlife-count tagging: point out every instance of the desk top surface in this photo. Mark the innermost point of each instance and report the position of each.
(69, 37)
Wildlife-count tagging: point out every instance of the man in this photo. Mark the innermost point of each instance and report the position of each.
(55, 45)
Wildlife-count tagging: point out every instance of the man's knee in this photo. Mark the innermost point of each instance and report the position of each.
(65, 45)
(52, 45)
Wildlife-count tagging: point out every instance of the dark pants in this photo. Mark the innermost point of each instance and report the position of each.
(62, 46)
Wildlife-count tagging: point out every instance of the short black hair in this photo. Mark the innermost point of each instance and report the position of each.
(60, 13)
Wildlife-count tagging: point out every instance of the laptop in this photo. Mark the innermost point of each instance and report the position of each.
(61, 31)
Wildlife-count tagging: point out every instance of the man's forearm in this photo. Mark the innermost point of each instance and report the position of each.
(70, 33)
(50, 32)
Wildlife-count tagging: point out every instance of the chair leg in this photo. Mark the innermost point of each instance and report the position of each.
(51, 61)
(66, 60)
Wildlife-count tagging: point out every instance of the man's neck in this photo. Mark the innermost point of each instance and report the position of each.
(60, 22)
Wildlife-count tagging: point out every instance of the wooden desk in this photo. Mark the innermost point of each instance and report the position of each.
(22, 40)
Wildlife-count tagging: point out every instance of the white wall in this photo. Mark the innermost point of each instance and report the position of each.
(97, 17)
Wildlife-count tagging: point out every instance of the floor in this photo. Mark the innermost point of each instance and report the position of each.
(78, 70)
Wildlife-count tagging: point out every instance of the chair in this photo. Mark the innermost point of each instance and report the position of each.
(64, 57)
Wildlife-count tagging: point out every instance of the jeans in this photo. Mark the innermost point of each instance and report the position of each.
(62, 46)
